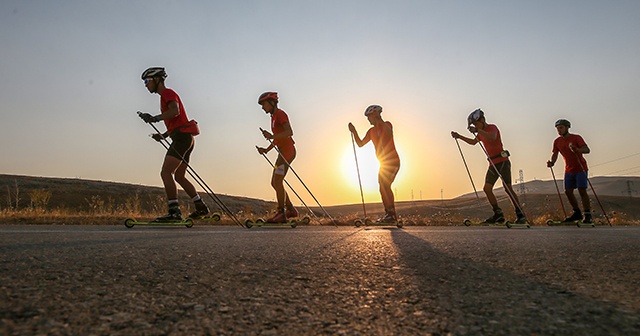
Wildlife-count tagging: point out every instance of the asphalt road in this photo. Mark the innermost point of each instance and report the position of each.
(110, 280)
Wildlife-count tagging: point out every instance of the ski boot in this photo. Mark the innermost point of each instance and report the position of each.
(389, 218)
(520, 217)
(201, 209)
(577, 216)
(587, 218)
(279, 217)
(292, 213)
(174, 215)
(498, 217)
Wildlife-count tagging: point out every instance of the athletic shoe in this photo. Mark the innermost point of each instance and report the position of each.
(292, 213)
(174, 215)
(497, 217)
(201, 210)
(587, 218)
(577, 216)
(521, 220)
(388, 219)
(280, 217)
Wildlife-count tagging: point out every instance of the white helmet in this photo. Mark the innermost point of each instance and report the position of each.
(373, 109)
(475, 116)
(154, 72)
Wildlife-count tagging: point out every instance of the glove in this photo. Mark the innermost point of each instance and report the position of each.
(549, 164)
(148, 118)
(157, 136)
(473, 129)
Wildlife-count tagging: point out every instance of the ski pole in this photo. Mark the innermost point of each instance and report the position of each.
(558, 190)
(511, 195)
(198, 179)
(467, 168)
(593, 190)
(290, 187)
(300, 179)
(355, 155)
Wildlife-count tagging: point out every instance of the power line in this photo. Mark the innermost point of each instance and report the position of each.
(614, 160)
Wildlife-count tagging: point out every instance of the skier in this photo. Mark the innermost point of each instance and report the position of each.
(181, 131)
(572, 147)
(381, 134)
(489, 134)
(281, 136)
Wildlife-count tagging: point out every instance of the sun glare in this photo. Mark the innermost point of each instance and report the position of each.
(368, 166)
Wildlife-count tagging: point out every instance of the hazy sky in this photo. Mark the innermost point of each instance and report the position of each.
(70, 86)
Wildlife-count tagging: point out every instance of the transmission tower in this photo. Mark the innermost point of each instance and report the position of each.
(523, 191)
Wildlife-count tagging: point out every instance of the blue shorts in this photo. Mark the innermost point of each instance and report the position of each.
(575, 180)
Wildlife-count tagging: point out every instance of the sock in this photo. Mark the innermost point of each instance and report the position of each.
(196, 198)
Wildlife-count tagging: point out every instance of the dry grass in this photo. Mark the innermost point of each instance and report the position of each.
(37, 200)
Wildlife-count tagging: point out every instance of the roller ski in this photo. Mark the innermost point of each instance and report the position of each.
(498, 220)
(279, 219)
(173, 218)
(575, 219)
(388, 219)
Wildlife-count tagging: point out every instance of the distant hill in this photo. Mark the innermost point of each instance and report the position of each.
(81, 195)
(604, 186)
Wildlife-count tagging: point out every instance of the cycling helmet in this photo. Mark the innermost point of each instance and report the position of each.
(564, 122)
(154, 72)
(373, 109)
(475, 116)
(268, 96)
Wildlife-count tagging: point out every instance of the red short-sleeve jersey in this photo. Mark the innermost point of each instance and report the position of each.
(572, 160)
(494, 147)
(167, 96)
(278, 119)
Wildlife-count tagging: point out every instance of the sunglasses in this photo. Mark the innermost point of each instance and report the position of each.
(147, 80)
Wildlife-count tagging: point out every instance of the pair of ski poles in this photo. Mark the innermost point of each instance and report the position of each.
(507, 190)
(192, 172)
(590, 185)
(299, 179)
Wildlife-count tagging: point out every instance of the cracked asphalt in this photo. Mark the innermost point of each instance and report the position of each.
(219, 280)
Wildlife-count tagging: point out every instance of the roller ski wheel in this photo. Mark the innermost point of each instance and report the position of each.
(261, 222)
(305, 220)
(362, 222)
(551, 222)
(468, 222)
(214, 217)
(510, 224)
(131, 222)
(583, 224)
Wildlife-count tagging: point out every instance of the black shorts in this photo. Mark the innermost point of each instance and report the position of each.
(181, 146)
(505, 170)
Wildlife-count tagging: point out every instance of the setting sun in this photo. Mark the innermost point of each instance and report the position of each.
(367, 164)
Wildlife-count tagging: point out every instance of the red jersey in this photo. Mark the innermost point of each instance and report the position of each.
(494, 147)
(167, 96)
(278, 119)
(572, 160)
(384, 144)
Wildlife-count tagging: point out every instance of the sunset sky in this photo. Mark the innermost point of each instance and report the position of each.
(70, 87)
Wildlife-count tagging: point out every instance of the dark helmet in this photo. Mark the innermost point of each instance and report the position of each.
(475, 116)
(154, 72)
(268, 96)
(563, 122)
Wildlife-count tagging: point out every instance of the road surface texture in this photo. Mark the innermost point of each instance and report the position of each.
(220, 280)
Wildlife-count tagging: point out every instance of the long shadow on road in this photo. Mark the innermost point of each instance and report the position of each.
(477, 298)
